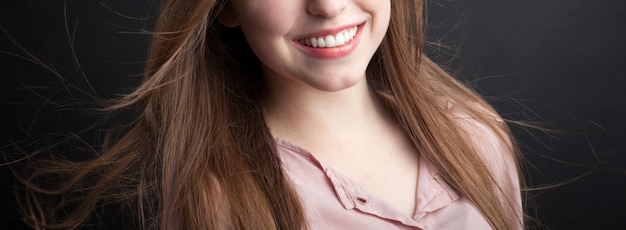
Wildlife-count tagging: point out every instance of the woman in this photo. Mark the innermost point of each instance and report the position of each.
(291, 114)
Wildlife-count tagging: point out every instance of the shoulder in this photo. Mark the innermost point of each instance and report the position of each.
(484, 129)
(488, 134)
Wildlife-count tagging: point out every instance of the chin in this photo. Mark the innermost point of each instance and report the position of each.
(337, 84)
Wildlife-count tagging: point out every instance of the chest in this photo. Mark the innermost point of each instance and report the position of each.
(332, 200)
(389, 174)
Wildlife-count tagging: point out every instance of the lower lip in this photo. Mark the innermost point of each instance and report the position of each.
(334, 52)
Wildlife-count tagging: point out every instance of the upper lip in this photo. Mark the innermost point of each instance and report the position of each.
(327, 31)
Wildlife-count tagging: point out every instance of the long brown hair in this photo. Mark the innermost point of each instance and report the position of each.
(199, 154)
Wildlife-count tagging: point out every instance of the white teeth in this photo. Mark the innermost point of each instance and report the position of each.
(321, 43)
(330, 41)
(339, 40)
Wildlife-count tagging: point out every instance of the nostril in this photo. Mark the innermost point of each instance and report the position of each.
(326, 8)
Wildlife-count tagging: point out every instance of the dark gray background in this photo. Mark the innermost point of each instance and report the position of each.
(558, 62)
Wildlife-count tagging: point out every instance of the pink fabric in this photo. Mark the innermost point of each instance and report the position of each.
(333, 201)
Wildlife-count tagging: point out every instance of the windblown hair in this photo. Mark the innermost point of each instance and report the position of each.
(199, 154)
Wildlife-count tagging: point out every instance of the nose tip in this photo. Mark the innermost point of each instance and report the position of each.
(326, 8)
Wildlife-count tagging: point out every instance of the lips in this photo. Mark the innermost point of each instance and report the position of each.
(331, 40)
(331, 44)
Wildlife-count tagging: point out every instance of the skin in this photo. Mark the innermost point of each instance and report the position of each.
(270, 27)
(325, 105)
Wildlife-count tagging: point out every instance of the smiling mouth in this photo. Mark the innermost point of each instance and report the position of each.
(332, 40)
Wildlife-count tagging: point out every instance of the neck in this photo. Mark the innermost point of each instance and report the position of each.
(310, 117)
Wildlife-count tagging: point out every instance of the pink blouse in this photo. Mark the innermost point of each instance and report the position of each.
(333, 201)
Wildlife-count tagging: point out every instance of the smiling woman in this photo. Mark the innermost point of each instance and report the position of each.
(289, 114)
(274, 38)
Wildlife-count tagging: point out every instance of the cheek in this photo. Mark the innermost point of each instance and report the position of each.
(265, 36)
(376, 5)
(380, 8)
(266, 24)
(383, 17)
(266, 17)
(383, 9)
